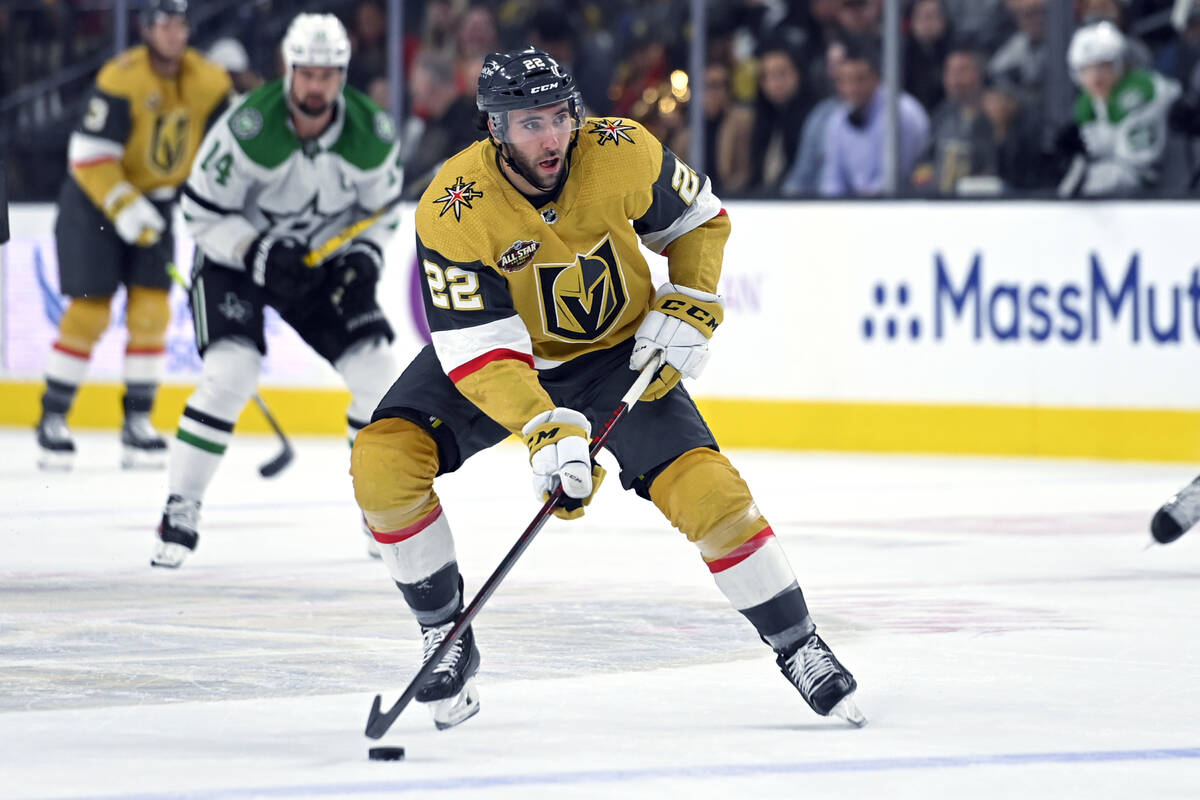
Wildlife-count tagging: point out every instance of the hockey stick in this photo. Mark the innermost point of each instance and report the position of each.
(340, 240)
(378, 722)
(268, 469)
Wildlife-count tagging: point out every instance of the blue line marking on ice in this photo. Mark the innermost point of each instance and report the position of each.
(660, 773)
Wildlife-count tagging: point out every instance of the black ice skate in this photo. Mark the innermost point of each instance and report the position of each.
(1177, 515)
(141, 446)
(824, 683)
(177, 535)
(449, 690)
(56, 448)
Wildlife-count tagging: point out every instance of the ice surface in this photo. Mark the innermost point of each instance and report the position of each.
(1010, 636)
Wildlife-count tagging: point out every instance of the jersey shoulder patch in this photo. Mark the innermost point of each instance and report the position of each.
(368, 134)
(622, 150)
(454, 212)
(259, 126)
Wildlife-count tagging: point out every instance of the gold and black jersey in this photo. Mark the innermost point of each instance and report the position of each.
(511, 288)
(140, 130)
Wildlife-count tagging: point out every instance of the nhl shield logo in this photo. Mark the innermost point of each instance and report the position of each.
(581, 301)
(516, 257)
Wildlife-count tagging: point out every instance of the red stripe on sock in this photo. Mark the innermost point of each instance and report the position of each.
(408, 531)
(742, 552)
(145, 351)
(62, 348)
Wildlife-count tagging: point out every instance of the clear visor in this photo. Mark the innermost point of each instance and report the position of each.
(530, 124)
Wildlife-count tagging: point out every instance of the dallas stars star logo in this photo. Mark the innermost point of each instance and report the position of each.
(459, 195)
(611, 130)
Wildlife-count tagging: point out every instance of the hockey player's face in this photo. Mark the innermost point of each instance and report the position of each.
(315, 88)
(167, 37)
(538, 139)
(1099, 79)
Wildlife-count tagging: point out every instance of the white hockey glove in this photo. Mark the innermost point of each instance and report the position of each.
(558, 453)
(679, 324)
(136, 219)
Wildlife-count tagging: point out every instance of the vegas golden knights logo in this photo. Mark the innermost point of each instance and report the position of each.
(169, 144)
(583, 299)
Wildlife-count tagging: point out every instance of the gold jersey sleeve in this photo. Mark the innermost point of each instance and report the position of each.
(141, 130)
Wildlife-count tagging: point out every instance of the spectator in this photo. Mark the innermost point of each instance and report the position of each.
(860, 19)
(475, 38)
(1120, 128)
(804, 178)
(1180, 57)
(984, 22)
(444, 120)
(783, 103)
(368, 38)
(727, 127)
(230, 54)
(552, 30)
(855, 144)
(925, 51)
(962, 141)
(645, 68)
(1020, 163)
(1021, 61)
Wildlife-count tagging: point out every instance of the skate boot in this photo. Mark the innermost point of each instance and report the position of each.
(824, 683)
(1177, 515)
(141, 446)
(177, 535)
(449, 690)
(56, 448)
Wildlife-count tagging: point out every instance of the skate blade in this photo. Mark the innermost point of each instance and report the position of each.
(456, 710)
(134, 458)
(847, 709)
(56, 461)
(170, 555)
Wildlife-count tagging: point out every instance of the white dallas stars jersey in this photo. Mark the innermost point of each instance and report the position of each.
(253, 174)
(511, 288)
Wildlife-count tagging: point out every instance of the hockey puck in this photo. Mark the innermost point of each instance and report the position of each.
(386, 753)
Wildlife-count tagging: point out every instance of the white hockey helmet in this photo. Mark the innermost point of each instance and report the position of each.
(315, 40)
(1099, 43)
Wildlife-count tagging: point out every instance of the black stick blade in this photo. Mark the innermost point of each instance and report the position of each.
(374, 730)
(277, 464)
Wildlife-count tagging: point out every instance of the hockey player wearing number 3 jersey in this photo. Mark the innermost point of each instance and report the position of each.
(540, 302)
(293, 165)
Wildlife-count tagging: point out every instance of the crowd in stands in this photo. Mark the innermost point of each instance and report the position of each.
(794, 102)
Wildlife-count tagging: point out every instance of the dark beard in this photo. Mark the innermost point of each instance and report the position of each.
(310, 110)
(529, 168)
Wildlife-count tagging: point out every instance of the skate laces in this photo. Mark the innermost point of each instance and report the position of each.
(432, 639)
(811, 664)
(54, 426)
(182, 513)
(139, 427)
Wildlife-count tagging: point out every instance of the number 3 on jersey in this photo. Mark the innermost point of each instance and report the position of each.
(453, 287)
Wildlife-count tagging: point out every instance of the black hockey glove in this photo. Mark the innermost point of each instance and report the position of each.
(278, 266)
(1068, 142)
(353, 274)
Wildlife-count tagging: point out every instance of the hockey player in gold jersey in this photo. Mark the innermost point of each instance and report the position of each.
(141, 127)
(539, 303)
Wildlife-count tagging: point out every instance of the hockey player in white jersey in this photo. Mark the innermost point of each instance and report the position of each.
(293, 165)
(1120, 118)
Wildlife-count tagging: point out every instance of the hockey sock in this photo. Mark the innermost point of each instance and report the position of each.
(200, 443)
(759, 582)
(421, 560)
(65, 370)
